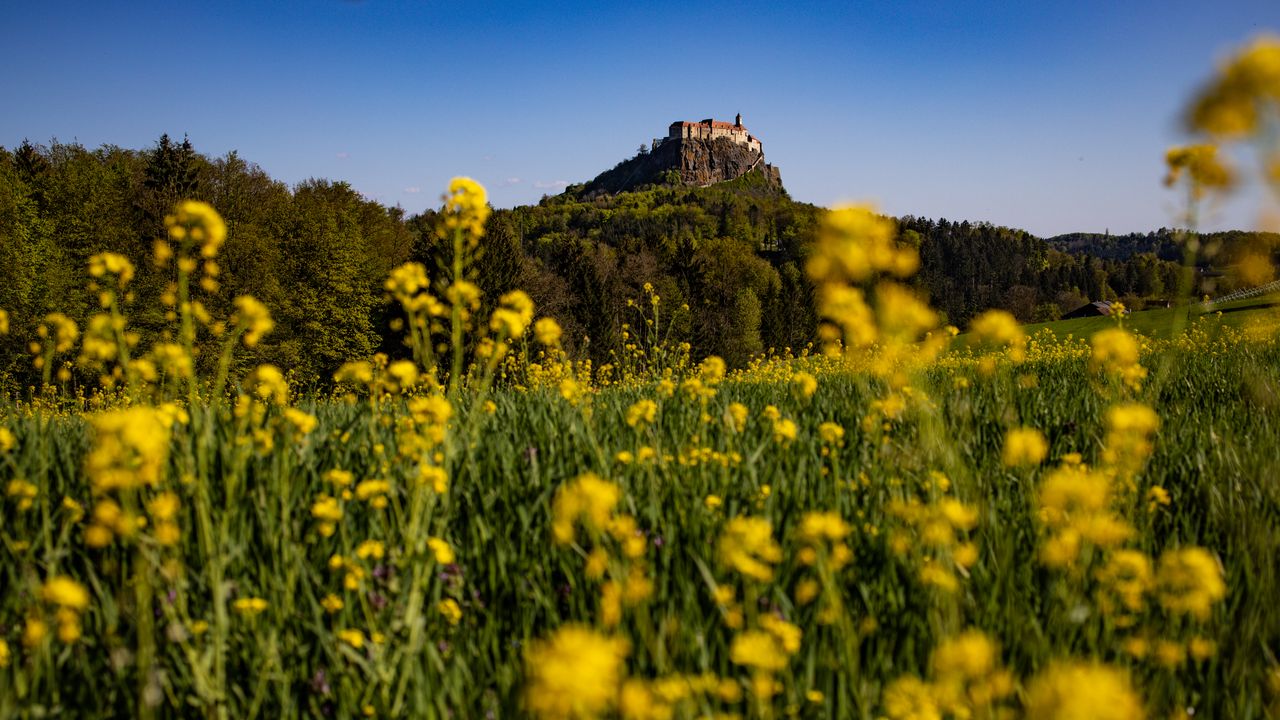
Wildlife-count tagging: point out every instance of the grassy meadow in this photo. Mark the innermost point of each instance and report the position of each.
(1079, 521)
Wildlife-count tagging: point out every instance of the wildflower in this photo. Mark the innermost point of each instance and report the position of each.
(249, 606)
(4, 654)
(301, 421)
(712, 502)
(758, 649)
(736, 416)
(589, 499)
(328, 511)
(24, 491)
(712, 370)
(513, 315)
(642, 413)
(7, 440)
(910, 698)
(1116, 352)
(450, 610)
(1203, 169)
(1068, 690)
(267, 383)
(803, 385)
(466, 208)
(65, 592)
(576, 673)
(130, 449)
(1024, 447)
(547, 331)
(441, 550)
(113, 263)
(332, 604)
(4, 327)
(253, 318)
(354, 638)
(1234, 103)
(199, 222)
(370, 549)
(434, 476)
(784, 431)
(747, 546)
(1189, 581)
(831, 433)
(1125, 581)
(1001, 329)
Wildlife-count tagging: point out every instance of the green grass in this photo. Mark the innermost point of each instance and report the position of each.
(1160, 322)
(1215, 454)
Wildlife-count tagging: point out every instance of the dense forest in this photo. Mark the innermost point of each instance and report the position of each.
(1165, 244)
(727, 260)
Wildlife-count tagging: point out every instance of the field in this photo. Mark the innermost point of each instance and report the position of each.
(897, 521)
(905, 525)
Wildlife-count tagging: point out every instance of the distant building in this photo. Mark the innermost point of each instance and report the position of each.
(710, 129)
(1098, 308)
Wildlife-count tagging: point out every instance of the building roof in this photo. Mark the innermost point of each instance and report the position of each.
(709, 122)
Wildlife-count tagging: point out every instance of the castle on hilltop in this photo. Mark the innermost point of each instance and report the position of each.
(711, 129)
(694, 154)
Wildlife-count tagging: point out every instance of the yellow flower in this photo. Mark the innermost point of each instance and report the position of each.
(267, 383)
(4, 322)
(332, 604)
(1070, 690)
(199, 222)
(7, 440)
(747, 546)
(758, 649)
(301, 421)
(250, 606)
(1189, 581)
(1233, 104)
(547, 331)
(1202, 166)
(712, 370)
(784, 431)
(370, 549)
(910, 698)
(130, 448)
(1024, 447)
(803, 385)
(113, 263)
(4, 654)
(513, 315)
(589, 499)
(466, 208)
(441, 550)
(1001, 329)
(576, 673)
(831, 433)
(642, 413)
(354, 638)
(65, 592)
(450, 610)
(736, 414)
(253, 318)
(1116, 352)
(970, 656)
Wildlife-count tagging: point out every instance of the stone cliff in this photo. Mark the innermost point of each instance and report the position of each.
(691, 161)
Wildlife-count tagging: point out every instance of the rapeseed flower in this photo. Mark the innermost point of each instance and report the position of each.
(574, 674)
(1024, 447)
(747, 546)
(1076, 689)
(1189, 581)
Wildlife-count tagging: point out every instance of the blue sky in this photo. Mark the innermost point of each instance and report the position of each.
(1050, 116)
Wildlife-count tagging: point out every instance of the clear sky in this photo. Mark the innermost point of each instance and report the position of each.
(1047, 115)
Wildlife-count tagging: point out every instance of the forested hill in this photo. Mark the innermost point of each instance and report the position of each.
(1163, 243)
(727, 259)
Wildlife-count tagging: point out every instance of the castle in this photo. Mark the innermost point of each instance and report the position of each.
(699, 154)
(710, 129)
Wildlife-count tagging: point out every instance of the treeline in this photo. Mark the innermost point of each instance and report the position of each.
(727, 260)
(316, 253)
(1166, 244)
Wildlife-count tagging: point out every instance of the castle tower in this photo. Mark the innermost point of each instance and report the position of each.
(737, 122)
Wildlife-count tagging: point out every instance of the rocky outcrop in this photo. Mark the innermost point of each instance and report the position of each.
(689, 161)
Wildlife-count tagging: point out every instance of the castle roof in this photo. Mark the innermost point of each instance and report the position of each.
(709, 122)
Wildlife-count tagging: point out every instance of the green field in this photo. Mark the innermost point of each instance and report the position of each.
(1161, 322)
